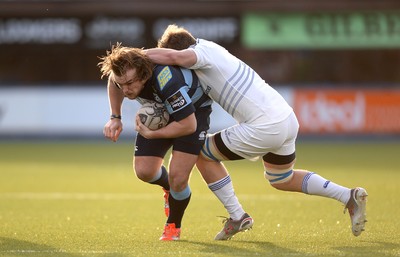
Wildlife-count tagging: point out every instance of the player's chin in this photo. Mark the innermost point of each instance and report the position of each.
(131, 97)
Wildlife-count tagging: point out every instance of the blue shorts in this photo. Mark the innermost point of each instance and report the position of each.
(191, 144)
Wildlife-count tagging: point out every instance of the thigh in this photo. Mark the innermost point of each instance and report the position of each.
(243, 141)
(257, 139)
(288, 147)
(284, 156)
(151, 147)
(193, 143)
(215, 149)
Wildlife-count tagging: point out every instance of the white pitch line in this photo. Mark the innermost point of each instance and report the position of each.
(130, 196)
(75, 196)
(166, 253)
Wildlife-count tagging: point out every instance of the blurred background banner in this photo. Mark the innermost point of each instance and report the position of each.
(336, 62)
(348, 110)
(71, 112)
(82, 111)
(371, 29)
(53, 111)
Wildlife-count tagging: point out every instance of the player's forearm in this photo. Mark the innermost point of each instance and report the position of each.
(161, 56)
(176, 129)
(115, 98)
(184, 58)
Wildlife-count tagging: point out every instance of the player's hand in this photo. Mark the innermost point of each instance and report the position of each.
(113, 129)
(142, 129)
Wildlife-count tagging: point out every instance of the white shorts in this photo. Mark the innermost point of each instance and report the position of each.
(251, 141)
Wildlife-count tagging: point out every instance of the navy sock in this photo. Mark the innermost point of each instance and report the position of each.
(163, 180)
(177, 209)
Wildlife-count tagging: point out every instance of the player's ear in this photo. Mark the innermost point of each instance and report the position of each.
(144, 81)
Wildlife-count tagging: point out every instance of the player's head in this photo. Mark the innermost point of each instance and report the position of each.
(129, 68)
(121, 58)
(176, 38)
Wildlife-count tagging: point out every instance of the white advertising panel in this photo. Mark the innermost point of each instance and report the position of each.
(73, 111)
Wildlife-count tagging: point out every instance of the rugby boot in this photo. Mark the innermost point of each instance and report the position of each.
(171, 233)
(231, 227)
(357, 209)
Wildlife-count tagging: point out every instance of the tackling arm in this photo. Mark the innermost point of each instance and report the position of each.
(185, 58)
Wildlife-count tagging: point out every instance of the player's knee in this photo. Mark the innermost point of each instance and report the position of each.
(279, 168)
(143, 176)
(177, 183)
(143, 173)
(278, 176)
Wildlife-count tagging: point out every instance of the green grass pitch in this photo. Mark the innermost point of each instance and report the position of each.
(83, 199)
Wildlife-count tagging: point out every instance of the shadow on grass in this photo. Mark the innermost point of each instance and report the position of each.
(257, 248)
(16, 247)
(242, 248)
(378, 249)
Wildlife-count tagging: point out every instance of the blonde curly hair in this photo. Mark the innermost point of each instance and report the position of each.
(121, 58)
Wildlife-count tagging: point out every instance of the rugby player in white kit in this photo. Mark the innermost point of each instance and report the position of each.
(267, 128)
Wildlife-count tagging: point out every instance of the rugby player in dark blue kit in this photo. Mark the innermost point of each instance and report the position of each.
(132, 75)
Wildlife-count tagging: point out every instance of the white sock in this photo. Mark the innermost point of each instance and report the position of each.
(314, 184)
(223, 189)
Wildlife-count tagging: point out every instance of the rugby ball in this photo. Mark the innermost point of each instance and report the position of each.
(153, 115)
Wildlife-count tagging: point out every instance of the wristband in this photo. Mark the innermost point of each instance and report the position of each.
(114, 116)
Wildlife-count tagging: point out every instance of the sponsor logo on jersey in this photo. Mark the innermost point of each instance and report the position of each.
(177, 101)
(164, 76)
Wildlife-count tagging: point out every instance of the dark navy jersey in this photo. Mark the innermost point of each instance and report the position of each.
(178, 88)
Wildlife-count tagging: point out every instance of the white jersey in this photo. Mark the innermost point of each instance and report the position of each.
(236, 87)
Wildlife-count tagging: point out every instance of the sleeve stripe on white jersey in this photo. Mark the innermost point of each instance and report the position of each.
(239, 83)
(249, 83)
(227, 83)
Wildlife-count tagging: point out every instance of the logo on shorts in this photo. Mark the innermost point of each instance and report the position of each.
(202, 135)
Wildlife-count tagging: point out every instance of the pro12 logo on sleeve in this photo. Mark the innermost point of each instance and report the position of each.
(179, 100)
(164, 76)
